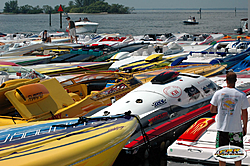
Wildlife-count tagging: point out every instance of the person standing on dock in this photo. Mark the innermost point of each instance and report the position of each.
(72, 30)
(230, 104)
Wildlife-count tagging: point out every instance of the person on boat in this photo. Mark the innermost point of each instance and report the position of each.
(230, 104)
(85, 19)
(45, 36)
(72, 30)
(194, 19)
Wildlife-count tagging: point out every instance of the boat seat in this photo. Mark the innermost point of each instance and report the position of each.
(39, 99)
(80, 89)
(10, 85)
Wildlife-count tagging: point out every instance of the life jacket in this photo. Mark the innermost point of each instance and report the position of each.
(45, 37)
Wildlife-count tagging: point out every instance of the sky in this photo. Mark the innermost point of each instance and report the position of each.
(149, 4)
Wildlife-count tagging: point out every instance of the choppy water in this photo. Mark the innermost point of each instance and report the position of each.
(142, 22)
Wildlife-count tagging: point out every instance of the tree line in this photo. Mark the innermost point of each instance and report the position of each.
(77, 6)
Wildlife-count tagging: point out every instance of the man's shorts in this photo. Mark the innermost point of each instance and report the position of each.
(72, 32)
(224, 138)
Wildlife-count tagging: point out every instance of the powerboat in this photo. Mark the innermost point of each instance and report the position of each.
(73, 141)
(152, 61)
(124, 57)
(86, 27)
(242, 65)
(167, 103)
(73, 97)
(197, 143)
(113, 40)
(243, 26)
(162, 38)
(229, 53)
(56, 69)
(190, 21)
(197, 38)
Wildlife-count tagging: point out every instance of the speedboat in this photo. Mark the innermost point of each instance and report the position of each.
(197, 38)
(154, 60)
(146, 52)
(86, 26)
(86, 141)
(243, 26)
(229, 53)
(190, 21)
(197, 143)
(165, 104)
(114, 40)
(163, 38)
(73, 97)
(56, 69)
(242, 65)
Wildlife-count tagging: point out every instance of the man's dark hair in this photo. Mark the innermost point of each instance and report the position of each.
(45, 30)
(231, 77)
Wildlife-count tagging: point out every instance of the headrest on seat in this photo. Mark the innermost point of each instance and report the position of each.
(31, 93)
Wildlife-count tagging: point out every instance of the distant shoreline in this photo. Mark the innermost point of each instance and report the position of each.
(153, 9)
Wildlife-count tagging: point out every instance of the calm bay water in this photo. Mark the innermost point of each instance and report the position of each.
(142, 22)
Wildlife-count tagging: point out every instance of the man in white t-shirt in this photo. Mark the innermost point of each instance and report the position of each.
(45, 36)
(230, 104)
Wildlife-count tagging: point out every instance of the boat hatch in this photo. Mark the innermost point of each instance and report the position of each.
(165, 77)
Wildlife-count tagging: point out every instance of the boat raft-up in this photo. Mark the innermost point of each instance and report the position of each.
(50, 100)
(76, 141)
(165, 105)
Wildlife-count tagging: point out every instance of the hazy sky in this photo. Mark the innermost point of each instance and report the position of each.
(148, 3)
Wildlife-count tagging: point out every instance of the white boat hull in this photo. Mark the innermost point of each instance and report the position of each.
(202, 150)
(86, 27)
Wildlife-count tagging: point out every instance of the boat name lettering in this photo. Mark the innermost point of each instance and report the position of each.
(159, 102)
(158, 117)
(35, 96)
(116, 128)
(173, 91)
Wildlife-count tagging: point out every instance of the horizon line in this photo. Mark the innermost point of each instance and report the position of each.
(191, 8)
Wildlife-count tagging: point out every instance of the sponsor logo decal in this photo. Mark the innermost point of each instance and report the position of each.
(35, 96)
(173, 91)
(229, 153)
(159, 103)
(160, 116)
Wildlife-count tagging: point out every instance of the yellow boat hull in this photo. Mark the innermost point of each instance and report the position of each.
(97, 144)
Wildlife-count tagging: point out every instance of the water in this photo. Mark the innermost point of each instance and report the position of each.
(142, 22)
